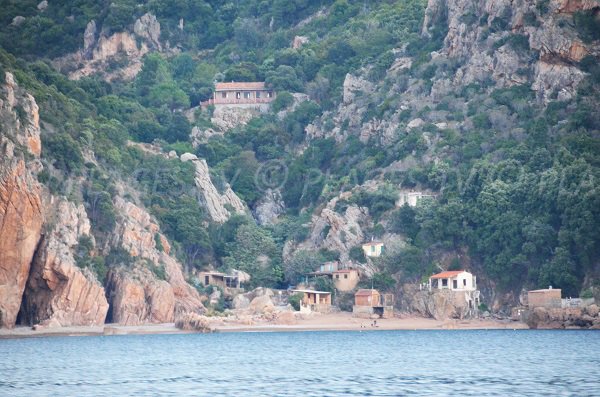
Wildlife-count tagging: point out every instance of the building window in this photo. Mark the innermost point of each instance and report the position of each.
(465, 282)
(223, 95)
(257, 94)
(337, 276)
(269, 94)
(345, 276)
(444, 282)
(372, 248)
(247, 95)
(238, 95)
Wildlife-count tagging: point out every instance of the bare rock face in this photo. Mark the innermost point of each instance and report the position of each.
(570, 6)
(228, 117)
(21, 219)
(199, 136)
(269, 207)
(21, 200)
(138, 297)
(552, 37)
(148, 27)
(22, 126)
(214, 201)
(89, 38)
(337, 232)
(136, 294)
(441, 305)
(557, 318)
(354, 85)
(98, 51)
(554, 80)
(58, 291)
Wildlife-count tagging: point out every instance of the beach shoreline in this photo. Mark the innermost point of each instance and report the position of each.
(325, 322)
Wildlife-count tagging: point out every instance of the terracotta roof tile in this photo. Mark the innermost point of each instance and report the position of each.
(258, 85)
(447, 274)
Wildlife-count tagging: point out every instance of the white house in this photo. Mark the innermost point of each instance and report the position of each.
(454, 280)
(373, 249)
(412, 198)
(460, 283)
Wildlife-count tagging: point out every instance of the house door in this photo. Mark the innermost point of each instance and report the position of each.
(455, 284)
(206, 280)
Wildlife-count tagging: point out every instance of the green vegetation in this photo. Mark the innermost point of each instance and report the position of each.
(295, 300)
(517, 180)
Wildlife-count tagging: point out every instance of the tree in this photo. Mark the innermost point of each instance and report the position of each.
(255, 252)
(299, 265)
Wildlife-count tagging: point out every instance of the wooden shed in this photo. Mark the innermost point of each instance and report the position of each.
(367, 297)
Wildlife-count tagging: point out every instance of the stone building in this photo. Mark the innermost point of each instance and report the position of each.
(548, 298)
(241, 94)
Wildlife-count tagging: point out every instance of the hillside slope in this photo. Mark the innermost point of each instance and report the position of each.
(117, 189)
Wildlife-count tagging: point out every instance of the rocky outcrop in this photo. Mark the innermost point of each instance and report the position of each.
(99, 50)
(137, 294)
(20, 117)
(557, 318)
(138, 297)
(571, 6)
(193, 322)
(21, 219)
(59, 293)
(269, 207)
(228, 117)
(473, 37)
(335, 231)
(441, 305)
(148, 28)
(21, 199)
(216, 203)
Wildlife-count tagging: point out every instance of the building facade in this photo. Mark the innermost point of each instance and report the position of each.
(548, 298)
(461, 284)
(370, 303)
(373, 249)
(314, 301)
(241, 94)
(458, 280)
(412, 198)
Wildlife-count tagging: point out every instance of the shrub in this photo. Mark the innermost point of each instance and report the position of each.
(295, 300)
(283, 100)
(357, 254)
(587, 25)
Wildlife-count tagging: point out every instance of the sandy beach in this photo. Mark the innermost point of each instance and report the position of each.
(327, 322)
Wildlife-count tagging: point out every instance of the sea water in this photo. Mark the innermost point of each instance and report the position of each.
(378, 363)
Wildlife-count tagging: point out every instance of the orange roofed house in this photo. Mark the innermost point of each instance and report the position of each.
(241, 94)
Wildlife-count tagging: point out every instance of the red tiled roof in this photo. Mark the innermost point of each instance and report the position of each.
(447, 274)
(365, 292)
(259, 85)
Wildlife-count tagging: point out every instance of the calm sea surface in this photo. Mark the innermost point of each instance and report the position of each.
(395, 363)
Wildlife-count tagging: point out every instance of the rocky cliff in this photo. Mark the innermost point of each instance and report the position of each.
(136, 294)
(59, 293)
(44, 278)
(219, 205)
(480, 34)
(21, 207)
(101, 51)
